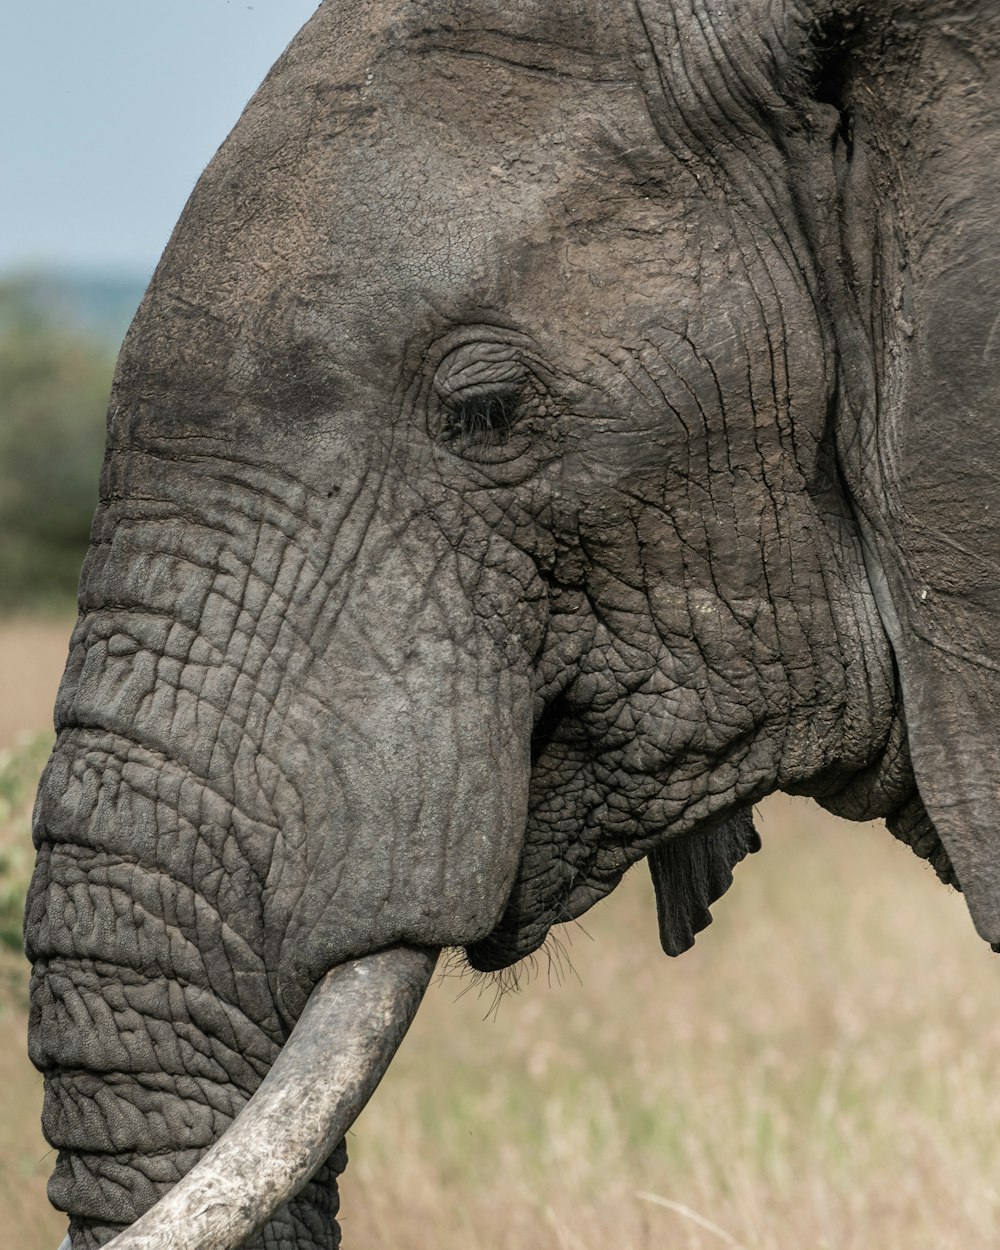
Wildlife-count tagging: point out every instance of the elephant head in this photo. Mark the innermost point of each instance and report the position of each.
(552, 427)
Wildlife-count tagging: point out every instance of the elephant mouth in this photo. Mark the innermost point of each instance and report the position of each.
(568, 860)
(330, 1066)
(551, 888)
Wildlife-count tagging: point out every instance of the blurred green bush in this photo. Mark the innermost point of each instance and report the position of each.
(55, 375)
(20, 768)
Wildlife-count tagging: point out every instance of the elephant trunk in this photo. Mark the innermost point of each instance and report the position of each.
(149, 1055)
(275, 756)
(329, 1068)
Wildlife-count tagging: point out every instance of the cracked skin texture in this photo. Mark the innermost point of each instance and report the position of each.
(485, 503)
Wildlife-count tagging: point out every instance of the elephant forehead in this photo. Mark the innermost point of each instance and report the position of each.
(565, 37)
(346, 43)
(574, 25)
(413, 165)
(379, 170)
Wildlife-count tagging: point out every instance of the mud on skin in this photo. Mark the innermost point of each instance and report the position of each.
(551, 428)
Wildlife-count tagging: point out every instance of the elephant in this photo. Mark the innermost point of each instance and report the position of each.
(552, 427)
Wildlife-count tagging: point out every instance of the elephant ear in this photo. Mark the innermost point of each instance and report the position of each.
(917, 303)
(692, 872)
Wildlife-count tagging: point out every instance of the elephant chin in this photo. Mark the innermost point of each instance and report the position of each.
(328, 1069)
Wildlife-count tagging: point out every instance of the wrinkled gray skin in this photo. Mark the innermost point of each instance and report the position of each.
(553, 426)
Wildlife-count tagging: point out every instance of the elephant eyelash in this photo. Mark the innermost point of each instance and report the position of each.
(482, 419)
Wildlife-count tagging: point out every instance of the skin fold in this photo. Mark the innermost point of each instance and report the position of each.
(551, 428)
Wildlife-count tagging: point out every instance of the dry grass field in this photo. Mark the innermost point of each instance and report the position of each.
(818, 1074)
(32, 654)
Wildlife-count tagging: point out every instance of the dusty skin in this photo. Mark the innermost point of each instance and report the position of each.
(553, 428)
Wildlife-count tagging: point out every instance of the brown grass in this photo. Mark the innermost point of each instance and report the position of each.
(32, 655)
(816, 1075)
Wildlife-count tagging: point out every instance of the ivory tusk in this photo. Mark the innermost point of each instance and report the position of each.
(334, 1058)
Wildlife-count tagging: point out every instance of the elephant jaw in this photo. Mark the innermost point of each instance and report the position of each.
(330, 1066)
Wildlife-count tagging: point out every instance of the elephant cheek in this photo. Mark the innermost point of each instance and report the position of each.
(414, 822)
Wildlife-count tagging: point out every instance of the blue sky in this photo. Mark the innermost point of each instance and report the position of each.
(111, 110)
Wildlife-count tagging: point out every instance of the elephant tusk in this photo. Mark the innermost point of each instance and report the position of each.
(334, 1058)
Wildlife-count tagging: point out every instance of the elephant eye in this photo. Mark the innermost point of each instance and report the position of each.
(486, 403)
(480, 420)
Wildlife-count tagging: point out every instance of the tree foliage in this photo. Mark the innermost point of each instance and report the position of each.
(54, 383)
